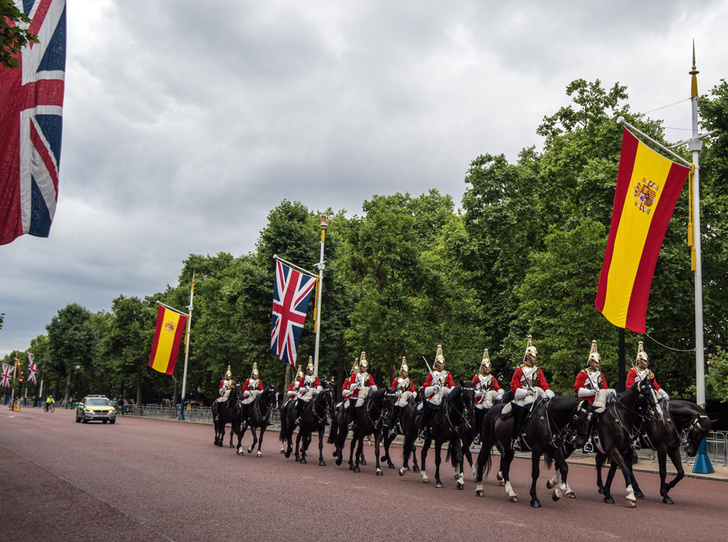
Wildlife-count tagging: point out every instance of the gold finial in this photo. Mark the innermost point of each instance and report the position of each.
(694, 81)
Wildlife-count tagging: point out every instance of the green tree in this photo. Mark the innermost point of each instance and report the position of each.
(72, 343)
(14, 34)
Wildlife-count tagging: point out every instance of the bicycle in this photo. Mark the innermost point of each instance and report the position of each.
(50, 406)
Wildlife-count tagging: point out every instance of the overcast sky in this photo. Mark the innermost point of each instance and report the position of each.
(187, 121)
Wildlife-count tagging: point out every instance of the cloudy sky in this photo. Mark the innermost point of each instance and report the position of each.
(187, 121)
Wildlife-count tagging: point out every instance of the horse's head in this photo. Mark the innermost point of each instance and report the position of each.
(647, 401)
(698, 430)
(467, 396)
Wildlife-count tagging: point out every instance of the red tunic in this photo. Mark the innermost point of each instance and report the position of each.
(448, 383)
(492, 385)
(246, 386)
(632, 376)
(518, 380)
(583, 381)
(352, 380)
(411, 386)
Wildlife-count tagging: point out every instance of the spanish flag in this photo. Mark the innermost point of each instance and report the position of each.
(648, 187)
(170, 328)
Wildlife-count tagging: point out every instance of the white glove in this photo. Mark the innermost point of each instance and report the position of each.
(399, 393)
(353, 386)
(584, 392)
(429, 390)
(521, 393)
(345, 394)
(246, 394)
(550, 394)
(291, 393)
(479, 393)
(664, 395)
(319, 389)
(500, 393)
(373, 387)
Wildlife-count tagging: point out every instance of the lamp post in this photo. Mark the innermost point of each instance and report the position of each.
(319, 288)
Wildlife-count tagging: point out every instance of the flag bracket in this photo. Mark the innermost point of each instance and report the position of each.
(621, 120)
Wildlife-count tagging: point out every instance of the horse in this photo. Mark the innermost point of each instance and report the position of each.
(683, 423)
(457, 408)
(313, 418)
(258, 415)
(222, 415)
(555, 424)
(394, 425)
(377, 407)
(617, 427)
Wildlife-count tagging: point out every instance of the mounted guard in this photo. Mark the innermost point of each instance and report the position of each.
(405, 390)
(251, 389)
(308, 387)
(437, 385)
(487, 392)
(359, 385)
(226, 385)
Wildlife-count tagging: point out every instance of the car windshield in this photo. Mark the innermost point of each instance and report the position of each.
(97, 402)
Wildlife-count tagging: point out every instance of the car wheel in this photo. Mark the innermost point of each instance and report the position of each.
(85, 420)
(104, 421)
(78, 420)
(112, 421)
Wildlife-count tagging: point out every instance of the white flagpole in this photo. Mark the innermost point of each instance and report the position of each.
(187, 353)
(321, 266)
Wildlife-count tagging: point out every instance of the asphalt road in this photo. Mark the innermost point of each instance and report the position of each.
(148, 480)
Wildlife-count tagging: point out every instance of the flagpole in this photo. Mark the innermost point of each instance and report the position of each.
(187, 353)
(319, 289)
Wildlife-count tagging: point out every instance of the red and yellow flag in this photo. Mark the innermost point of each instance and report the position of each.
(648, 187)
(170, 328)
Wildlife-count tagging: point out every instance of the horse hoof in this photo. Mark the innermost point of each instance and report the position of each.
(535, 503)
(570, 495)
(402, 471)
(363, 462)
(383, 459)
(391, 465)
(479, 493)
(513, 498)
(425, 480)
(667, 500)
(502, 483)
(438, 484)
(283, 451)
(240, 452)
(322, 463)
(357, 469)
(288, 454)
(549, 485)
(379, 472)
(554, 497)
(259, 454)
(609, 500)
(232, 446)
(601, 491)
(298, 460)
(338, 461)
(631, 503)
(639, 494)
(461, 486)
(250, 450)
(303, 461)
(415, 469)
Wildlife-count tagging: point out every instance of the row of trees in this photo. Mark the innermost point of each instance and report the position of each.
(521, 256)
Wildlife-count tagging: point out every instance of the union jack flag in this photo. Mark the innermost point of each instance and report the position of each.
(32, 369)
(6, 375)
(31, 124)
(291, 293)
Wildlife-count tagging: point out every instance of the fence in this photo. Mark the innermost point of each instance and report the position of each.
(192, 414)
(716, 448)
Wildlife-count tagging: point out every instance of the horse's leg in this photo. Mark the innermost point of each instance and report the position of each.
(387, 442)
(535, 459)
(321, 432)
(438, 459)
(629, 459)
(255, 439)
(406, 450)
(599, 460)
(352, 450)
(561, 467)
(506, 460)
(298, 446)
(377, 443)
(231, 435)
(619, 461)
(423, 458)
(675, 458)
(359, 452)
(260, 440)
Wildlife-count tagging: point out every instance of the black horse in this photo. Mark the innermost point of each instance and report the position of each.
(222, 415)
(618, 427)
(368, 421)
(457, 408)
(394, 425)
(313, 418)
(682, 423)
(555, 427)
(258, 417)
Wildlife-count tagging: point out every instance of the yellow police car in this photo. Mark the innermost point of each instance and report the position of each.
(95, 408)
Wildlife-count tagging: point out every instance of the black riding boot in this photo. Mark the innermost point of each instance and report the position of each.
(246, 408)
(352, 413)
(299, 411)
(396, 426)
(518, 414)
(425, 422)
(479, 415)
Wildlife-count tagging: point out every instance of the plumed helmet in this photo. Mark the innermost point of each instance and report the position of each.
(363, 360)
(310, 363)
(355, 367)
(594, 355)
(228, 373)
(404, 365)
(641, 354)
(530, 349)
(299, 373)
(439, 358)
(486, 359)
(255, 370)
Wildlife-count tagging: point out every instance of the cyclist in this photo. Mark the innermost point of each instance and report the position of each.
(50, 404)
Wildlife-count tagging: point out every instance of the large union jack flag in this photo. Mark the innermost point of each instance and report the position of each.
(32, 369)
(6, 375)
(291, 293)
(31, 124)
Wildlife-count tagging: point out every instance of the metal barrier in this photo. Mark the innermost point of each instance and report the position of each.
(716, 449)
(192, 414)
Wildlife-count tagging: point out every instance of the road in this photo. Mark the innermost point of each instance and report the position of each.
(148, 480)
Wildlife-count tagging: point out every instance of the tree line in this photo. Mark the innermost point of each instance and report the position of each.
(521, 255)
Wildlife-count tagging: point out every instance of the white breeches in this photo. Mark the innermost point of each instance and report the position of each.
(404, 399)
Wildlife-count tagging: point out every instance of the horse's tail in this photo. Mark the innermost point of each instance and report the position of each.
(333, 429)
(485, 457)
(548, 459)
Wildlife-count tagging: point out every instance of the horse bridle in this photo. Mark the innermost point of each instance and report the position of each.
(569, 432)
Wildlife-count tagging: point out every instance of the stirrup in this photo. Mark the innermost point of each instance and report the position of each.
(422, 434)
(588, 447)
(393, 432)
(350, 427)
(636, 445)
(476, 440)
(515, 445)
(298, 422)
